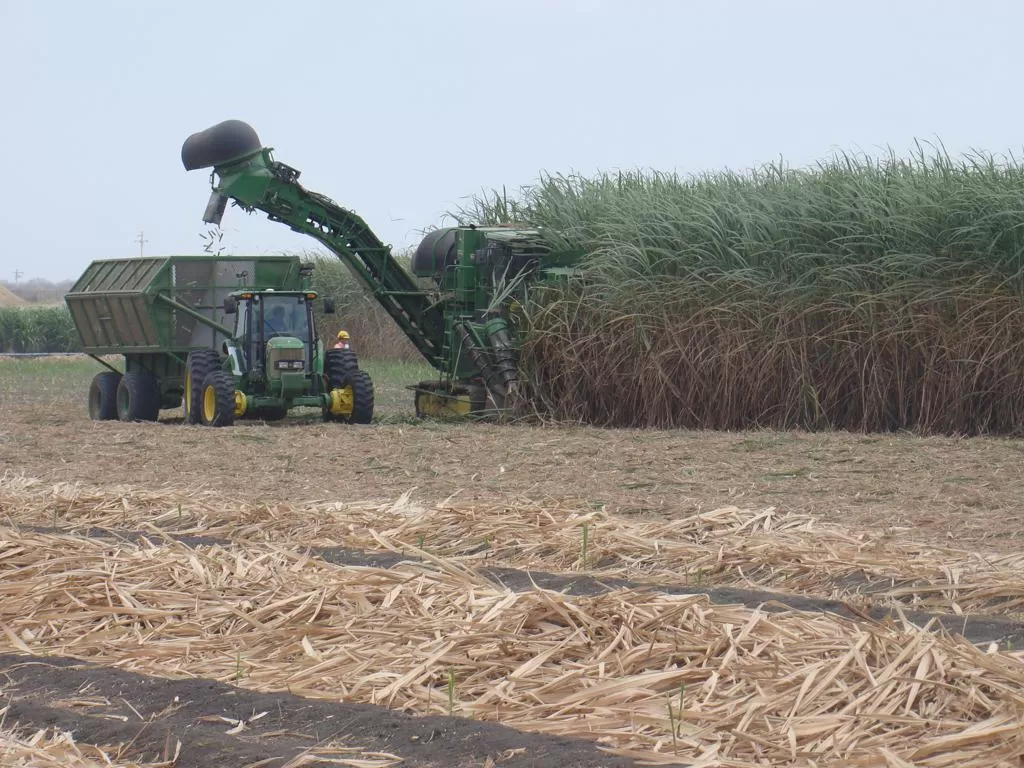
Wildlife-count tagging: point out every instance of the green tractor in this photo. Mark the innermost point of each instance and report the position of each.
(197, 331)
(271, 363)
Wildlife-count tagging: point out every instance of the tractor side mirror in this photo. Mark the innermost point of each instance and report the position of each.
(230, 305)
(328, 306)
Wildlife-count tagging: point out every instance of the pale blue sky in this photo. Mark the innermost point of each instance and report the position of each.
(398, 109)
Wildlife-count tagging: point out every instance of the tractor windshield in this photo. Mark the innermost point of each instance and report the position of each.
(285, 316)
(267, 316)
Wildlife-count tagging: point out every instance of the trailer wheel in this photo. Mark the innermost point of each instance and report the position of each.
(103, 396)
(138, 397)
(198, 366)
(218, 399)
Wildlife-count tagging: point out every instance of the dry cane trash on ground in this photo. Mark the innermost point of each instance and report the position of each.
(722, 547)
(45, 748)
(658, 677)
(51, 747)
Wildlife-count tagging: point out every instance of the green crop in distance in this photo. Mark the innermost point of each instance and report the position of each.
(37, 329)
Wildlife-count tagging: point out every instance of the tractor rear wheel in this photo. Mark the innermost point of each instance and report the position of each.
(218, 399)
(339, 364)
(362, 392)
(103, 396)
(342, 370)
(138, 397)
(198, 366)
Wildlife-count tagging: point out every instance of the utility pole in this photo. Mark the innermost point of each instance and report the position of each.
(17, 275)
(141, 240)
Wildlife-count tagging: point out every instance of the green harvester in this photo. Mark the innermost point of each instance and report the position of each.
(467, 323)
(204, 331)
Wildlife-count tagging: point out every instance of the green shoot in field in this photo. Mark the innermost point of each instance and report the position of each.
(674, 719)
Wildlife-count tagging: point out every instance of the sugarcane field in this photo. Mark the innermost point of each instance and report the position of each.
(574, 385)
(810, 559)
(574, 595)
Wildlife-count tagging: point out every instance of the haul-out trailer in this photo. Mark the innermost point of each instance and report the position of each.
(227, 337)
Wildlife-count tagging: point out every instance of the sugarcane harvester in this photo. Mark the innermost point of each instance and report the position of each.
(464, 323)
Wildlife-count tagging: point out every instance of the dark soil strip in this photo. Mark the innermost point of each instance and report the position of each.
(975, 628)
(186, 711)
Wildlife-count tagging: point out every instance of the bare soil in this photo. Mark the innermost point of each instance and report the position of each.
(103, 705)
(942, 490)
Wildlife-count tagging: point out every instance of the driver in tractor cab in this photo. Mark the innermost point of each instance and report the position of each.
(275, 322)
(343, 341)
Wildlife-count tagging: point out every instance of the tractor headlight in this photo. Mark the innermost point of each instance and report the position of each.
(290, 365)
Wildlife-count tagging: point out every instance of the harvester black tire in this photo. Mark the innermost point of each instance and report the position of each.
(199, 364)
(362, 394)
(138, 397)
(219, 409)
(103, 396)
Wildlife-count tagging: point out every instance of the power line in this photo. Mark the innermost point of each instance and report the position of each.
(141, 240)
(17, 275)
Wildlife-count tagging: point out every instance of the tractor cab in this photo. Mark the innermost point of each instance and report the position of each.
(274, 335)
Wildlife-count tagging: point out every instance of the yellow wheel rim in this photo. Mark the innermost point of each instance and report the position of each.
(188, 393)
(209, 404)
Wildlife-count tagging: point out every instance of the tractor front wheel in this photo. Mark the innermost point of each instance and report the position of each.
(198, 366)
(218, 399)
(103, 396)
